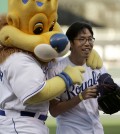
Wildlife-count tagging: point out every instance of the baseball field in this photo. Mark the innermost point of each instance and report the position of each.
(111, 124)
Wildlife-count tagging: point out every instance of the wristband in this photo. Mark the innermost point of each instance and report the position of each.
(66, 78)
(80, 96)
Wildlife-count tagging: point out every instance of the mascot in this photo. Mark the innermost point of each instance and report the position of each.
(31, 39)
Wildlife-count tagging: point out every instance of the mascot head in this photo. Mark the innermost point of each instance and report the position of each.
(32, 26)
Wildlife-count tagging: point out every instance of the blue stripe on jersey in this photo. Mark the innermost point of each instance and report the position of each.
(38, 89)
(1, 75)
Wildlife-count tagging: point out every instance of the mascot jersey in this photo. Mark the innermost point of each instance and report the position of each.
(21, 67)
(83, 118)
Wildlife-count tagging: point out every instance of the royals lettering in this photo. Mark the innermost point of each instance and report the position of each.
(76, 89)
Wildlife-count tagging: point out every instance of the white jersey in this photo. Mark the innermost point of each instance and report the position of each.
(21, 77)
(84, 117)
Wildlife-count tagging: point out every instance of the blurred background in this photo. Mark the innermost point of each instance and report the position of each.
(104, 15)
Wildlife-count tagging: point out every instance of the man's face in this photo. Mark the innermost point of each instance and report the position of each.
(83, 44)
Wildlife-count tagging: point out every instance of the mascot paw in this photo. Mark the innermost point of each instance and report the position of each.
(75, 73)
(94, 61)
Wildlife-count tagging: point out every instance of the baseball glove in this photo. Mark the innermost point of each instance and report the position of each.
(109, 94)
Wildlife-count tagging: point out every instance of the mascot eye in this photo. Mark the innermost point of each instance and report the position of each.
(52, 26)
(38, 28)
(39, 3)
(24, 1)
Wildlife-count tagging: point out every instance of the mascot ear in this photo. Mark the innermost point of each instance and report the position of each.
(13, 20)
(94, 60)
(3, 20)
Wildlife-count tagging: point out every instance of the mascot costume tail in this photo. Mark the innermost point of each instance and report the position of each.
(32, 38)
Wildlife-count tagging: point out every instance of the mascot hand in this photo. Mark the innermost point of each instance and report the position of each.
(75, 73)
(94, 60)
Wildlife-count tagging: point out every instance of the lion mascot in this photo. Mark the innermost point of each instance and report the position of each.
(30, 37)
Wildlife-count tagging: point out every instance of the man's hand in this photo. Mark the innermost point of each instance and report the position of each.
(90, 92)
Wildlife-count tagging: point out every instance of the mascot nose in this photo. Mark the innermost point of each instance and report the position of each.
(59, 42)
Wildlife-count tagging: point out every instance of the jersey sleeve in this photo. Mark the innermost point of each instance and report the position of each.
(25, 76)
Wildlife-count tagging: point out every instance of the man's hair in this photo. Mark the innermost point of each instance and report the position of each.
(76, 28)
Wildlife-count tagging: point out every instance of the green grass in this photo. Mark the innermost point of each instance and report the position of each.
(111, 124)
(51, 123)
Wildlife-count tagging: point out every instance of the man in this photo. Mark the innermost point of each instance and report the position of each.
(77, 108)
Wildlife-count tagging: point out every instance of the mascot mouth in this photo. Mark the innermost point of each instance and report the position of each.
(46, 53)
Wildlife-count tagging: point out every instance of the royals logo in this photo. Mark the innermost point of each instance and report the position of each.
(76, 89)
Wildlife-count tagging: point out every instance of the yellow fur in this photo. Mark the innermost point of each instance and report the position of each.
(53, 88)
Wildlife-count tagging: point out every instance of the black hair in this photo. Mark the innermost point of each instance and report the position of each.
(76, 28)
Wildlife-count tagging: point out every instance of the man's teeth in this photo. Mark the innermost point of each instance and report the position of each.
(86, 50)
